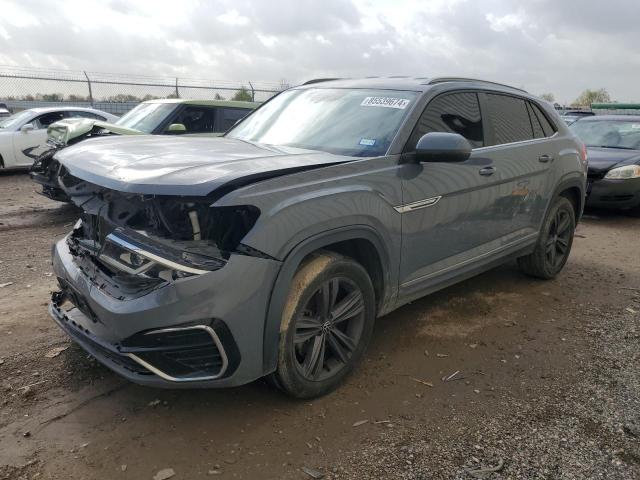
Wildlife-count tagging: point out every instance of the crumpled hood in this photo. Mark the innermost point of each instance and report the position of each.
(170, 165)
(604, 159)
(65, 130)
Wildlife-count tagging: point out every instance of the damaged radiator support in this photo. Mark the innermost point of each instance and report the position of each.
(143, 241)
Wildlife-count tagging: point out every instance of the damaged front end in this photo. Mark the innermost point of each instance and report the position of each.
(135, 273)
(132, 243)
(45, 169)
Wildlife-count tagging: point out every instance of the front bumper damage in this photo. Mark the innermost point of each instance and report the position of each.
(161, 290)
(201, 331)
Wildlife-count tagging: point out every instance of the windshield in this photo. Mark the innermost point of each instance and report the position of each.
(354, 122)
(609, 133)
(15, 120)
(146, 117)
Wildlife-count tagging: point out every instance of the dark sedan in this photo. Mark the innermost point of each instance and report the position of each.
(613, 144)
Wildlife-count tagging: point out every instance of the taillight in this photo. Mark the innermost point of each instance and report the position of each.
(583, 153)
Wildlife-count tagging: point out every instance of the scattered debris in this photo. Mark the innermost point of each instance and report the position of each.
(6, 284)
(473, 345)
(54, 352)
(26, 434)
(441, 355)
(361, 422)
(631, 310)
(214, 472)
(423, 382)
(153, 403)
(164, 474)
(381, 421)
(452, 377)
(485, 472)
(123, 467)
(315, 474)
(426, 353)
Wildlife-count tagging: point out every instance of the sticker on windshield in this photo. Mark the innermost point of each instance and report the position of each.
(367, 142)
(388, 102)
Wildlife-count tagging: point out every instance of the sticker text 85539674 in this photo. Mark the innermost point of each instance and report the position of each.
(388, 102)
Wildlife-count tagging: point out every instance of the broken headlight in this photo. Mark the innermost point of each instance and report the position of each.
(156, 260)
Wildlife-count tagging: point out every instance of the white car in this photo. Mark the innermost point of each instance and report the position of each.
(26, 130)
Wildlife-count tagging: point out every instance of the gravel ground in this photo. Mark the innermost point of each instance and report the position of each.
(501, 376)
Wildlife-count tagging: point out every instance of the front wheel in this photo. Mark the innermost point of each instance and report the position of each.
(326, 325)
(554, 242)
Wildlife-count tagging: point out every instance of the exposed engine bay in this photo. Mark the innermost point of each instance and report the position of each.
(130, 243)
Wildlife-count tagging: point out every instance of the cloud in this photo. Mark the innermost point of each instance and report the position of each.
(541, 45)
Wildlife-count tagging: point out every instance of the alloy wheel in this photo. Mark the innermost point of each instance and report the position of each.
(328, 330)
(558, 239)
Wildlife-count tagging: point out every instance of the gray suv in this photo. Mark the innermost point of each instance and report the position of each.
(211, 262)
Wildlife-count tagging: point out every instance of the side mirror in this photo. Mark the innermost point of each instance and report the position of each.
(442, 147)
(27, 127)
(177, 128)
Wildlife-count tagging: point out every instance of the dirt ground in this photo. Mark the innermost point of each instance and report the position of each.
(547, 383)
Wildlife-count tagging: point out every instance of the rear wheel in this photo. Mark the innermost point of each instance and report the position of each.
(326, 325)
(554, 244)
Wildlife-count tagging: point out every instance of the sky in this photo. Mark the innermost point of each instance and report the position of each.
(557, 46)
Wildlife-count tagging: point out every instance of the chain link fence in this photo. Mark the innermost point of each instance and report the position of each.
(22, 88)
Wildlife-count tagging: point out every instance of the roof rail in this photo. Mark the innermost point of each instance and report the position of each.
(462, 79)
(318, 80)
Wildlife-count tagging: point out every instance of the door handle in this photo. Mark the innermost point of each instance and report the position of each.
(486, 171)
(545, 158)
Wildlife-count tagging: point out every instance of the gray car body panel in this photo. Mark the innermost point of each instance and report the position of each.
(165, 165)
(309, 200)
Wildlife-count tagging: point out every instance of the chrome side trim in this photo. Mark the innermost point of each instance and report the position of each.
(169, 378)
(151, 256)
(410, 207)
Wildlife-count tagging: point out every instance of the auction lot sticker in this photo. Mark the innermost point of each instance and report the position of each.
(388, 102)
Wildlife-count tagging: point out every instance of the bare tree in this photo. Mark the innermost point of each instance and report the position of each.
(549, 97)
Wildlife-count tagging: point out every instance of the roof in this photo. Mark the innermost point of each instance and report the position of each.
(58, 109)
(629, 118)
(420, 84)
(208, 103)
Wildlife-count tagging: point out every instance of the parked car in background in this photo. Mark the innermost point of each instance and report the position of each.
(572, 116)
(211, 262)
(613, 144)
(4, 111)
(155, 117)
(23, 132)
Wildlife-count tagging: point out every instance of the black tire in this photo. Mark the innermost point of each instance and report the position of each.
(554, 243)
(326, 325)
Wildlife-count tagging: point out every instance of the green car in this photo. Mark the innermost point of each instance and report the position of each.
(154, 117)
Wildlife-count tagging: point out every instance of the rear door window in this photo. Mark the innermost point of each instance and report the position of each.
(509, 119)
(454, 113)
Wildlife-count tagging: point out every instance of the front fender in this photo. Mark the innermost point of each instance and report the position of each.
(290, 266)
